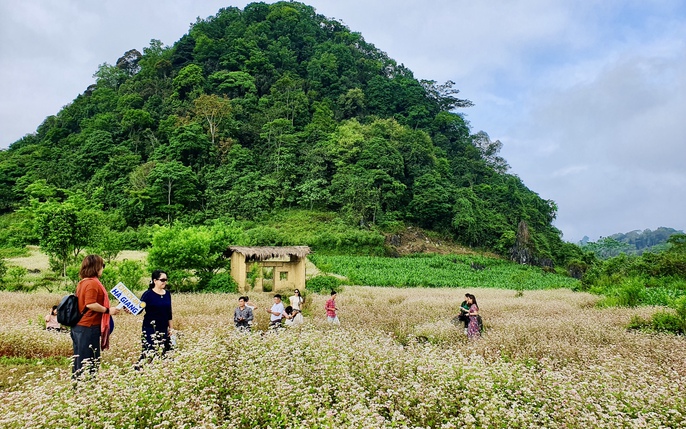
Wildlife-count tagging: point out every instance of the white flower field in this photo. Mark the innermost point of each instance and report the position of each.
(547, 359)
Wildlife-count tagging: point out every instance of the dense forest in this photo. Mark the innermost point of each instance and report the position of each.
(269, 108)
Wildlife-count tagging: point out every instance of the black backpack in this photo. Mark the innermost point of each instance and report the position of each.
(68, 311)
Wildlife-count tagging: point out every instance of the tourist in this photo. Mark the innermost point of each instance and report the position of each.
(276, 312)
(92, 333)
(243, 315)
(157, 323)
(331, 309)
(293, 316)
(473, 328)
(51, 323)
(464, 313)
(297, 300)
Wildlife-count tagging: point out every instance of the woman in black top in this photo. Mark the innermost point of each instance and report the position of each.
(157, 322)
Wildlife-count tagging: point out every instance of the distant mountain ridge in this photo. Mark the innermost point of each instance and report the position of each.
(632, 243)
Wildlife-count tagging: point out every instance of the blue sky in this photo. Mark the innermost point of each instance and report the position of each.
(586, 97)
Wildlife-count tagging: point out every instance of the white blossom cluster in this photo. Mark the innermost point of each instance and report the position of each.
(548, 359)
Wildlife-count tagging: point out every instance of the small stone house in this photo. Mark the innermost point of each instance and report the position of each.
(270, 268)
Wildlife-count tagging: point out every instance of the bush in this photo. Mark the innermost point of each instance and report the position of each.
(221, 282)
(130, 273)
(14, 252)
(3, 270)
(181, 281)
(199, 250)
(16, 281)
(108, 245)
(321, 284)
(638, 323)
(664, 321)
(630, 293)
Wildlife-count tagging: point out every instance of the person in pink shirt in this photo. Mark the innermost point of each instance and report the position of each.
(331, 309)
(51, 323)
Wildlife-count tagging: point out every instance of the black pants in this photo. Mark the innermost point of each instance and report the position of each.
(243, 325)
(86, 349)
(155, 344)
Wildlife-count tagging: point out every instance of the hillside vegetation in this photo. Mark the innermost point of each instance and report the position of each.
(271, 108)
(274, 125)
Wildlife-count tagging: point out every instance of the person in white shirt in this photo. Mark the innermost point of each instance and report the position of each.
(296, 300)
(276, 312)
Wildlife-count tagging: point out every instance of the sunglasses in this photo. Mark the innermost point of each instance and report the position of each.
(162, 280)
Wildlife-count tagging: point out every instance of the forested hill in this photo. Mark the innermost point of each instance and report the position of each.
(631, 243)
(272, 107)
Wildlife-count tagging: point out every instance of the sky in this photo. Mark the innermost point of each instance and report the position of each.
(587, 97)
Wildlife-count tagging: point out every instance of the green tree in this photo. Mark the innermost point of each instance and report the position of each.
(189, 81)
(64, 229)
(174, 185)
(193, 252)
(212, 111)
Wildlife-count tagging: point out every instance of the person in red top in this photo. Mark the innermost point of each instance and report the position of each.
(331, 309)
(92, 332)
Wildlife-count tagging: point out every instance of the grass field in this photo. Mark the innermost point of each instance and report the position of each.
(549, 358)
(432, 270)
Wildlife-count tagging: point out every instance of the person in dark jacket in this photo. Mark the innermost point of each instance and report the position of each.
(157, 322)
(243, 314)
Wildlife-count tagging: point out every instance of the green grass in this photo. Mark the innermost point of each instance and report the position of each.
(442, 271)
(13, 369)
(324, 232)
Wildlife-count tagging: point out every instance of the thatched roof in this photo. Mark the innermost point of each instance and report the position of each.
(268, 252)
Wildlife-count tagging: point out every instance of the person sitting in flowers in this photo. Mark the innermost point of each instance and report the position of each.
(293, 316)
(243, 314)
(51, 323)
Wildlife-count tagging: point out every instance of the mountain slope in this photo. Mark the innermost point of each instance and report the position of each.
(275, 107)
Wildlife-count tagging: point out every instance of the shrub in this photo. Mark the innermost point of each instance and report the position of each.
(16, 280)
(14, 252)
(321, 284)
(638, 323)
(130, 273)
(181, 281)
(197, 250)
(73, 274)
(3, 270)
(630, 293)
(221, 282)
(664, 321)
(679, 306)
